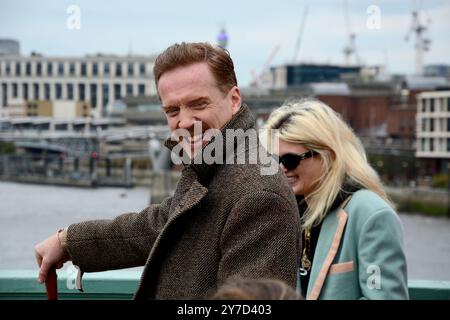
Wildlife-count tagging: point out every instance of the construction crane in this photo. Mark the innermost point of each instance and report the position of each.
(260, 79)
(422, 43)
(300, 34)
(350, 49)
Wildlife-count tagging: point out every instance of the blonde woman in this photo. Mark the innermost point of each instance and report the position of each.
(352, 237)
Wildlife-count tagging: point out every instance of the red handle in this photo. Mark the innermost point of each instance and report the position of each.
(51, 285)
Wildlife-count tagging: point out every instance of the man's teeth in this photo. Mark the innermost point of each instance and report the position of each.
(195, 138)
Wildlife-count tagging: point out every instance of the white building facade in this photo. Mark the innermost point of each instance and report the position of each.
(100, 80)
(433, 125)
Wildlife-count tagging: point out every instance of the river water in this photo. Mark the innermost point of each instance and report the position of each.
(30, 213)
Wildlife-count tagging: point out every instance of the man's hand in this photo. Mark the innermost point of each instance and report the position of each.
(50, 253)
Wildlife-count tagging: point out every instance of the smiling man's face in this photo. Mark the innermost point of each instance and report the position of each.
(190, 96)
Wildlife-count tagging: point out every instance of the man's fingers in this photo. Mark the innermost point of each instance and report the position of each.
(45, 266)
(38, 258)
(49, 253)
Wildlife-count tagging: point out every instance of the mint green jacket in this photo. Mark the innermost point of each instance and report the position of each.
(359, 253)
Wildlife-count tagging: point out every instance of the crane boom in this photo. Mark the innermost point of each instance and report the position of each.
(300, 33)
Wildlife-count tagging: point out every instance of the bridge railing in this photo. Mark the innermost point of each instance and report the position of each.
(121, 285)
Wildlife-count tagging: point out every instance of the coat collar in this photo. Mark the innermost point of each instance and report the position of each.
(189, 193)
(327, 247)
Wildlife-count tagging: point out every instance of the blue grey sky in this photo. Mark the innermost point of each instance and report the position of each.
(255, 28)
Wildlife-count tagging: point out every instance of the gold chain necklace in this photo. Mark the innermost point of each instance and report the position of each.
(306, 263)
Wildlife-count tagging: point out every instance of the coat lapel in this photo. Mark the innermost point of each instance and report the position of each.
(190, 199)
(327, 246)
(188, 194)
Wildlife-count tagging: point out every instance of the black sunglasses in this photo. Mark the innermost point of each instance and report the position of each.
(291, 160)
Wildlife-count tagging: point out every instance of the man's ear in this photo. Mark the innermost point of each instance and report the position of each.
(236, 99)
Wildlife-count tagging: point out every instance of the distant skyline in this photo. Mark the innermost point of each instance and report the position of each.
(254, 29)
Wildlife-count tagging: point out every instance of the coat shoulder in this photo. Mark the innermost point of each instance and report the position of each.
(248, 179)
(364, 204)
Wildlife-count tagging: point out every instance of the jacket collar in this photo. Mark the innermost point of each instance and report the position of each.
(348, 188)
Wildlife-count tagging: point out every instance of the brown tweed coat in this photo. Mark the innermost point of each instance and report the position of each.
(223, 220)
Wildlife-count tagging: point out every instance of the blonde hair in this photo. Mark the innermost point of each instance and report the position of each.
(319, 128)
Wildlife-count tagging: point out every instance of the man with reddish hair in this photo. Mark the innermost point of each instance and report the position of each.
(223, 220)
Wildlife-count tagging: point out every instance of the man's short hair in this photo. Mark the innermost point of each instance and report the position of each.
(184, 54)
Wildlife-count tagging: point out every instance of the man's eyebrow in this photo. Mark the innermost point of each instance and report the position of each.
(197, 100)
(168, 106)
(189, 103)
